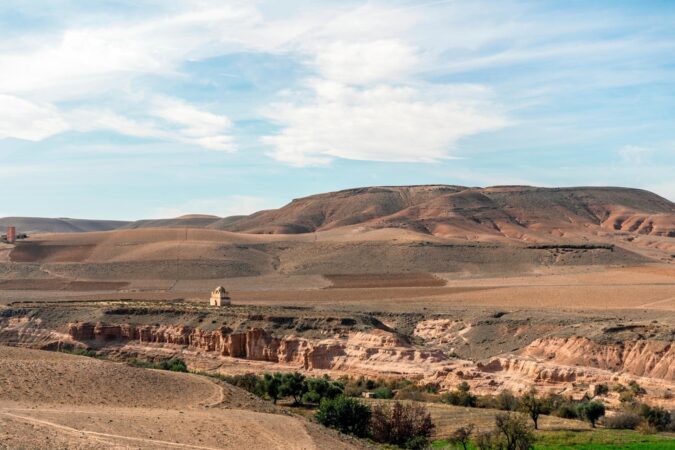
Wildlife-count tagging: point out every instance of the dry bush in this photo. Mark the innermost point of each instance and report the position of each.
(623, 421)
(405, 425)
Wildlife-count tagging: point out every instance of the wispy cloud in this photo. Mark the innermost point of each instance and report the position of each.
(539, 91)
(23, 119)
(379, 123)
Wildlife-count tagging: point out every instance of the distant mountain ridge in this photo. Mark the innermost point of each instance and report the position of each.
(515, 212)
(59, 225)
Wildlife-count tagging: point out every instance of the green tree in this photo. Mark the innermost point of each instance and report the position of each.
(320, 388)
(293, 385)
(533, 406)
(461, 396)
(506, 401)
(383, 392)
(513, 432)
(345, 414)
(658, 418)
(406, 425)
(272, 386)
(592, 411)
(462, 436)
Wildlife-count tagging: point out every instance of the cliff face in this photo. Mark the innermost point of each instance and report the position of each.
(376, 352)
(652, 359)
(561, 364)
(254, 344)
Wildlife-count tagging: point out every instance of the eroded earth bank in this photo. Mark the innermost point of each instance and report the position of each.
(567, 352)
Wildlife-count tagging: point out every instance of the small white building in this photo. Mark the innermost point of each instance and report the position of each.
(219, 297)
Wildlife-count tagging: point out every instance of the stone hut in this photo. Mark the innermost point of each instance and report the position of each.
(219, 297)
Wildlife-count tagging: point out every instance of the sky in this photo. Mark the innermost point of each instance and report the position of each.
(132, 109)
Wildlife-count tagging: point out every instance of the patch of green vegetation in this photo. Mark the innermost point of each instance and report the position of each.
(588, 440)
(173, 364)
(598, 439)
(82, 352)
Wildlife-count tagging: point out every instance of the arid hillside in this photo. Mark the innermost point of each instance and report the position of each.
(379, 230)
(31, 225)
(519, 212)
(52, 400)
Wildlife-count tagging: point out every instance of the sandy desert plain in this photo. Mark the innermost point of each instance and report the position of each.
(502, 288)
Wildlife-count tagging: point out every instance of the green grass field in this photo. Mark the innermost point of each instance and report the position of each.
(592, 440)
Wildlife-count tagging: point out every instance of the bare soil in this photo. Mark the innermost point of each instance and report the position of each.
(52, 401)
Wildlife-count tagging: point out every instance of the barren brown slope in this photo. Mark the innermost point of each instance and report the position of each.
(502, 211)
(59, 225)
(54, 401)
(187, 254)
(337, 209)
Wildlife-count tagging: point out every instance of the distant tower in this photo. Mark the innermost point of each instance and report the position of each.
(11, 234)
(219, 297)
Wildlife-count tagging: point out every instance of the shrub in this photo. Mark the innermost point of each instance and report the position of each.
(645, 428)
(85, 352)
(345, 414)
(506, 401)
(417, 443)
(319, 388)
(624, 420)
(411, 392)
(383, 393)
(462, 436)
(532, 406)
(141, 364)
(600, 389)
(487, 440)
(461, 396)
(656, 417)
(174, 365)
(513, 432)
(636, 388)
(249, 382)
(592, 411)
(312, 397)
(567, 411)
(293, 385)
(271, 385)
(405, 425)
(627, 397)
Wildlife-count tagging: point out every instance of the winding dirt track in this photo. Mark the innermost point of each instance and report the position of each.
(80, 432)
(53, 401)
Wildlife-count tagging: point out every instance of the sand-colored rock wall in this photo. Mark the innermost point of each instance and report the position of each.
(644, 358)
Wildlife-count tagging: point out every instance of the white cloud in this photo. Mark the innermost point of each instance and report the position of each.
(22, 119)
(633, 154)
(365, 62)
(93, 59)
(169, 119)
(197, 122)
(379, 123)
(97, 63)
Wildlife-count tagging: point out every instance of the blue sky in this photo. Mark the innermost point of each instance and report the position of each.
(143, 109)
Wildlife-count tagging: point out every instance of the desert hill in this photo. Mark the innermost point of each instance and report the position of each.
(501, 211)
(59, 225)
(377, 230)
(513, 212)
(52, 400)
